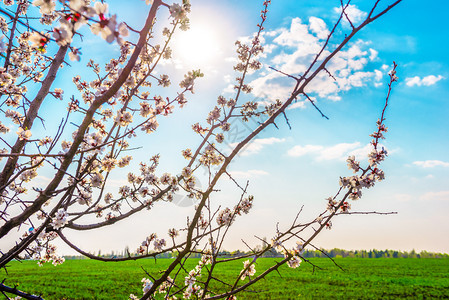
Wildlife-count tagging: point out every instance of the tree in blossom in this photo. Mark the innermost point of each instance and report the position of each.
(113, 113)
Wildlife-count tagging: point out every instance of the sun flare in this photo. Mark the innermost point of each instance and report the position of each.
(197, 47)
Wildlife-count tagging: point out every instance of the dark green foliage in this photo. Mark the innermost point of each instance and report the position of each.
(382, 278)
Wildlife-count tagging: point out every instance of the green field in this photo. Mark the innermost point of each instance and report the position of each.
(363, 278)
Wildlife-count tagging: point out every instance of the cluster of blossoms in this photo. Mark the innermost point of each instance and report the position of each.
(295, 261)
(189, 79)
(3, 195)
(393, 75)
(225, 217)
(244, 206)
(376, 156)
(144, 186)
(15, 116)
(166, 285)
(191, 289)
(179, 13)
(247, 62)
(21, 67)
(123, 118)
(27, 174)
(16, 188)
(370, 175)
(244, 52)
(214, 115)
(45, 141)
(42, 250)
(76, 14)
(248, 110)
(60, 219)
(249, 269)
(211, 156)
(158, 244)
(199, 129)
(332, 205)
(147, 284)
(173, 232)
(189, 183)
(24, 134)
(190, 280)
(295, 252)
(203, 222)
(353, 164)
(84, 196)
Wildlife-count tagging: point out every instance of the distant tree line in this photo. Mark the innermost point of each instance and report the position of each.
(338, 253)
(373, 253)
(334, 253)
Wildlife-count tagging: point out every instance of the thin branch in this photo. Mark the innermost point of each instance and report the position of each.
(283, 73)
(316, 107)
(15, 291)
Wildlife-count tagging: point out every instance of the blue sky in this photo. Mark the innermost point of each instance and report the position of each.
(291, 168)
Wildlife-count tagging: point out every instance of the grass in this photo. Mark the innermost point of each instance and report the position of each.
(363, 278)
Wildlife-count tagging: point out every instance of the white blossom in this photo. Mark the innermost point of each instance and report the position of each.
(60, 219)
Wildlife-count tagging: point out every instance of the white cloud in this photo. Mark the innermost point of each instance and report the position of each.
(299, 104)
(378, 84)
(362, 152)
(270, 33)
(227, 78)
(435, 196)
(318, 26)
(334, 98)
(297, 36)
(373, 54)
(269, 48)
(379, 75)
(355, 80)
(431, 80)
(303, 150)
(336, 152)
(426, 81)
(339, 151)
(300, 43)
(271, 87)
(229, 89)
(247, 174)
(257, 145)
(231, 59)
(354, 14)
(431, 163)
(402, 197)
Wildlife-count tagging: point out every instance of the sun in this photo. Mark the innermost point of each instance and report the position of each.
(200, 46)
